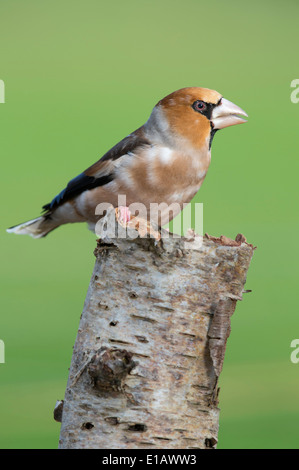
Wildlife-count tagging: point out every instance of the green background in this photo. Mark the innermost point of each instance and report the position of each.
(79, 76)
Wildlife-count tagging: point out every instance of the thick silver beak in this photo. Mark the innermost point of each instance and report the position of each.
(227, 114)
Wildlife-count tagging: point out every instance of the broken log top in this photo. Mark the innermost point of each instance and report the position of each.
(151, 344)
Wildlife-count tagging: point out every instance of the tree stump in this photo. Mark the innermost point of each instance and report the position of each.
(151, 342)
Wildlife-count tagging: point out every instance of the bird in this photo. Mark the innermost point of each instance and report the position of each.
(165, 161)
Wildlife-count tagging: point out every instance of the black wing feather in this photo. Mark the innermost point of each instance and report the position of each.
(75, 187)
(83, 182)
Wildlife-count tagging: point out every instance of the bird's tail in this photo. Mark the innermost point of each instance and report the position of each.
(36, 228)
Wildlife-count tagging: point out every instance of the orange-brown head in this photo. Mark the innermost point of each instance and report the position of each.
(194, 114)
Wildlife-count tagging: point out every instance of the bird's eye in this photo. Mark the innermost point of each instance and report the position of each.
(199, 106)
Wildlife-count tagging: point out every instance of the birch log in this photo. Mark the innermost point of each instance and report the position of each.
(151, 343)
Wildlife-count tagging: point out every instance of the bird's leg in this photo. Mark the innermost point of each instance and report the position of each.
(123, 214)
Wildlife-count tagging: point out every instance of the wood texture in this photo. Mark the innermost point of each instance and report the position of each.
(151, 343)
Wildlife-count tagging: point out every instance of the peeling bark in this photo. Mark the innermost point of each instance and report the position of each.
(151, 343)
(58, 410)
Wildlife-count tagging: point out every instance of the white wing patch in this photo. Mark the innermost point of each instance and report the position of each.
(165, 155)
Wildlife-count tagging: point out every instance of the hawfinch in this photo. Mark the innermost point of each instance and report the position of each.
(164, 161)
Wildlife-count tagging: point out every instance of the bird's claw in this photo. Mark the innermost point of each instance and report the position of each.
(142, 226)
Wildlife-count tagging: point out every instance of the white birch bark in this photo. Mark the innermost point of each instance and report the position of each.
(151, 344)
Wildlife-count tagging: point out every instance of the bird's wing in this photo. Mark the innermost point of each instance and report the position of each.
(101, 172)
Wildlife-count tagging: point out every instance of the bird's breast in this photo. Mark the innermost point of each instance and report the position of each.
(161, 174)
(153, 175)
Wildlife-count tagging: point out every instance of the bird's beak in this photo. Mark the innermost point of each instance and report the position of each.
(227, 114)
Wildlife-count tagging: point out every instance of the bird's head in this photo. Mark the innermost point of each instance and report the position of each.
(194, 114)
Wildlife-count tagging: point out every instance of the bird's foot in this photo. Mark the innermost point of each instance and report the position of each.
(142, 226)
